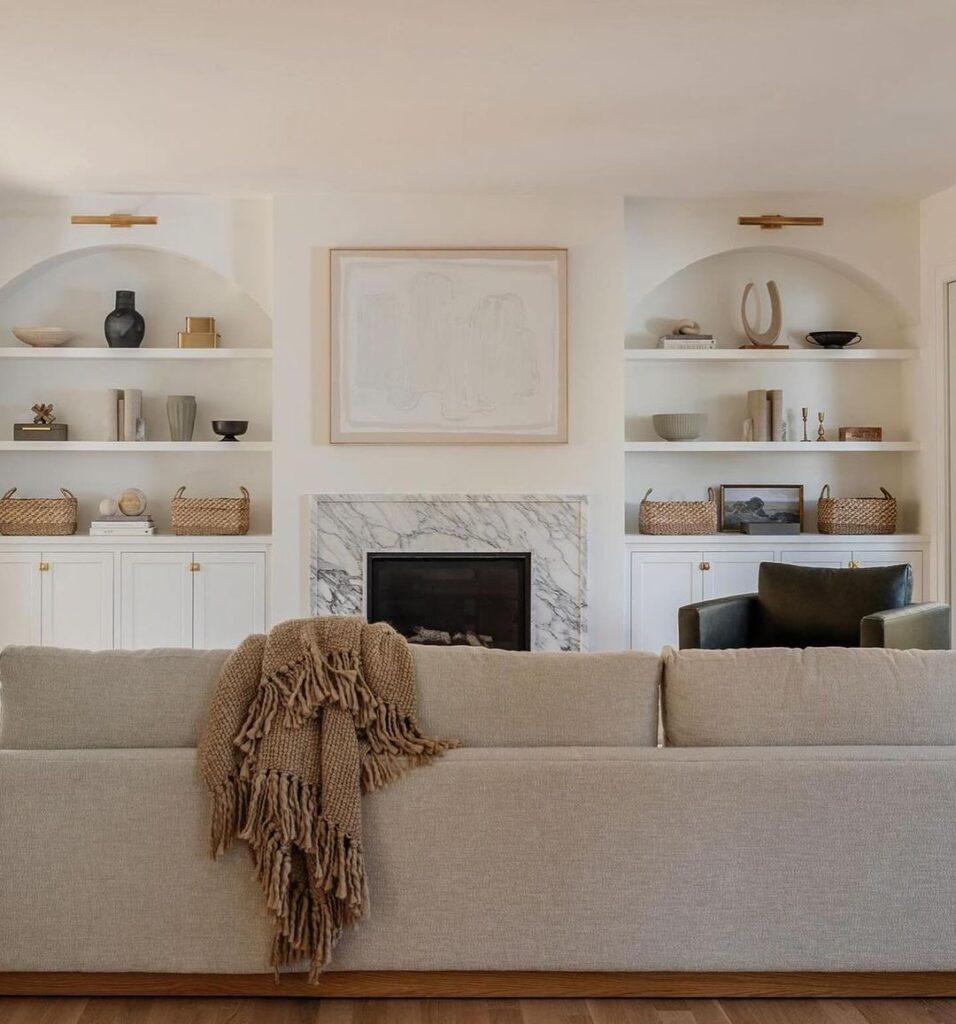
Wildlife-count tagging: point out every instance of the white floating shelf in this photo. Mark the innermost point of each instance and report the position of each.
(186, 354)
(775, 540)
(751, 355)
(778, 447)
(129, 447)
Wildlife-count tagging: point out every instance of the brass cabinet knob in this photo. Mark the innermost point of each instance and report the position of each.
(194, 567)
(44, 567)
(853, 564)
(704, 566)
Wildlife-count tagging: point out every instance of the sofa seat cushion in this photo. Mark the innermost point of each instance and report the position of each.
(539, 699)
(54, 698)
(817, 696)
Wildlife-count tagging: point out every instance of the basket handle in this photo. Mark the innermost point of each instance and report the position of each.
(9, 494)
(179, 493)
(711, 494)
(825, 493)
(245, 493)
(646, 496)
(886, 494)
(67, 494)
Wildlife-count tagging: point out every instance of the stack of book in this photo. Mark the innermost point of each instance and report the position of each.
(122, 526)
(686, 341)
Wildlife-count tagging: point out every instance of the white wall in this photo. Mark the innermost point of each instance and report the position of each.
(592, 463)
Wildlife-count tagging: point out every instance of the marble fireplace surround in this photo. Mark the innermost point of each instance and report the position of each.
(553, 528)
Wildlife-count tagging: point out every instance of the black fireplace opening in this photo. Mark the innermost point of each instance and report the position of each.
(476, 600)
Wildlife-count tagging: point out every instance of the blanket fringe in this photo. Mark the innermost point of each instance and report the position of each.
(230, 802)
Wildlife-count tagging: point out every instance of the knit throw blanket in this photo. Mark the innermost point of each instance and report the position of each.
(303, 722)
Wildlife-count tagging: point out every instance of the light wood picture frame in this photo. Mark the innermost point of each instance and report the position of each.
(448, 346)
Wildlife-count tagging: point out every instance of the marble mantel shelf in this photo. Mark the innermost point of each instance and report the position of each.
(552, 527)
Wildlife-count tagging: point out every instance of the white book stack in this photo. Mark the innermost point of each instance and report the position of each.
(123, 526)
(686, 341)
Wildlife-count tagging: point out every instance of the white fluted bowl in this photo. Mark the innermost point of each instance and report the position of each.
(679, 426)
(42, 337)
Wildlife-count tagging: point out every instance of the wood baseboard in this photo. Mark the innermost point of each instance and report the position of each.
(489, 984)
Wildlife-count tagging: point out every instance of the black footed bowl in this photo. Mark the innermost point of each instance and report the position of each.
(227, 429)
(834, 339)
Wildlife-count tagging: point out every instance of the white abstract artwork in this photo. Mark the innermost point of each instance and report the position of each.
(449, 346)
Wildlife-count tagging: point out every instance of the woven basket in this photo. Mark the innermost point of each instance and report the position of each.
(856, 515)
(678, 517)
(37, 517)
(209, 516)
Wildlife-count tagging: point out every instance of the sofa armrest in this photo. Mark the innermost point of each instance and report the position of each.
(714, 625)
(922, 627)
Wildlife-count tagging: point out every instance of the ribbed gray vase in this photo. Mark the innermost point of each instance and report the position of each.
(181, 413)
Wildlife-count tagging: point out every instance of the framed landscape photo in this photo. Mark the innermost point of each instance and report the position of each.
(760, 504)
(449, 346)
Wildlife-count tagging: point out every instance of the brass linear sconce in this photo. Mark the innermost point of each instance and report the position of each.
(774, 221)
(114, 220)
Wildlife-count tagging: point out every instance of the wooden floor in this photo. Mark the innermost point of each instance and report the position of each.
(42, 1010)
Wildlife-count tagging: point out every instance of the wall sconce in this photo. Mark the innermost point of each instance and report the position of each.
(114, 220)
(774, 221)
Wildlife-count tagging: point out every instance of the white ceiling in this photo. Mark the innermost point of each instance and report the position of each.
(644, 97)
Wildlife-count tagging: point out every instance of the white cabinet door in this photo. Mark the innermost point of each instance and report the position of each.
(77, 599)
(229, 597)
(661, 581)
(733, 572)
(821, 558)
(870, 557)
(20, 597)
(156, 599)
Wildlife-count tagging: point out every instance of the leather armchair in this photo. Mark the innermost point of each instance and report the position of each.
(801, 606)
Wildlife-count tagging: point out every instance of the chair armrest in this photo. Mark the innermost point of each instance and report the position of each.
(921, 627)
(714, 625)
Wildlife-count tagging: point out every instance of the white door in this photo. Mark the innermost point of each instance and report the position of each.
(229, 597)
(661, 581)
(156, 599)
(20, 597)
(869, 558)
(77, 589)
(821, 558)
(733, 572)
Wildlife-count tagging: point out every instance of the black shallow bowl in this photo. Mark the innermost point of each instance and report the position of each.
(833, 339)
(229, 428)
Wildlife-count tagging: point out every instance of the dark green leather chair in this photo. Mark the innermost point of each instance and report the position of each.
(801, 606)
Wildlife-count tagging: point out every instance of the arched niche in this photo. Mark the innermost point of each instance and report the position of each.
(76, 290)
(818, 292)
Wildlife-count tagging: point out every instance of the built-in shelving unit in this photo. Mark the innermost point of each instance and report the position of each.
(777, 447)
(808, 540)
(136, 354)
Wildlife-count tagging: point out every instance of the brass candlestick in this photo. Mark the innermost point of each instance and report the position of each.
(805, 412)
(821, 433)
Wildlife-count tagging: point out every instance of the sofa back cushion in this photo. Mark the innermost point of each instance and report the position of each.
(520, 699)
(806, 606)
(59, 699)
(818, 696)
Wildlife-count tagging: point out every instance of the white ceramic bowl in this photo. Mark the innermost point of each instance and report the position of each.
(42, 337)
(680, 426)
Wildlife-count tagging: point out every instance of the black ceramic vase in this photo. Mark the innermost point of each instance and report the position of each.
(124, 327)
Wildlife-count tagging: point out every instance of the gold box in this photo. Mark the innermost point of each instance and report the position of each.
(198, 339)
(200, 325)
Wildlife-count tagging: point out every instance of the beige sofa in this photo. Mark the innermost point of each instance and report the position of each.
(801, 818)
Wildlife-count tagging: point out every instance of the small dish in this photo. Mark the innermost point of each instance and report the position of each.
(833, 339)
(228, 429)
(42, 337)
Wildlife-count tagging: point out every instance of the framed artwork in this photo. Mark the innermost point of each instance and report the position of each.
(449, 346)
(760, 503)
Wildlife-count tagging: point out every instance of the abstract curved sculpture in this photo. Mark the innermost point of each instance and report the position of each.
(768, 338)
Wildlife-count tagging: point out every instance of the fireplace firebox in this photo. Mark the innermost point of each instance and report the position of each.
(479, 600)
